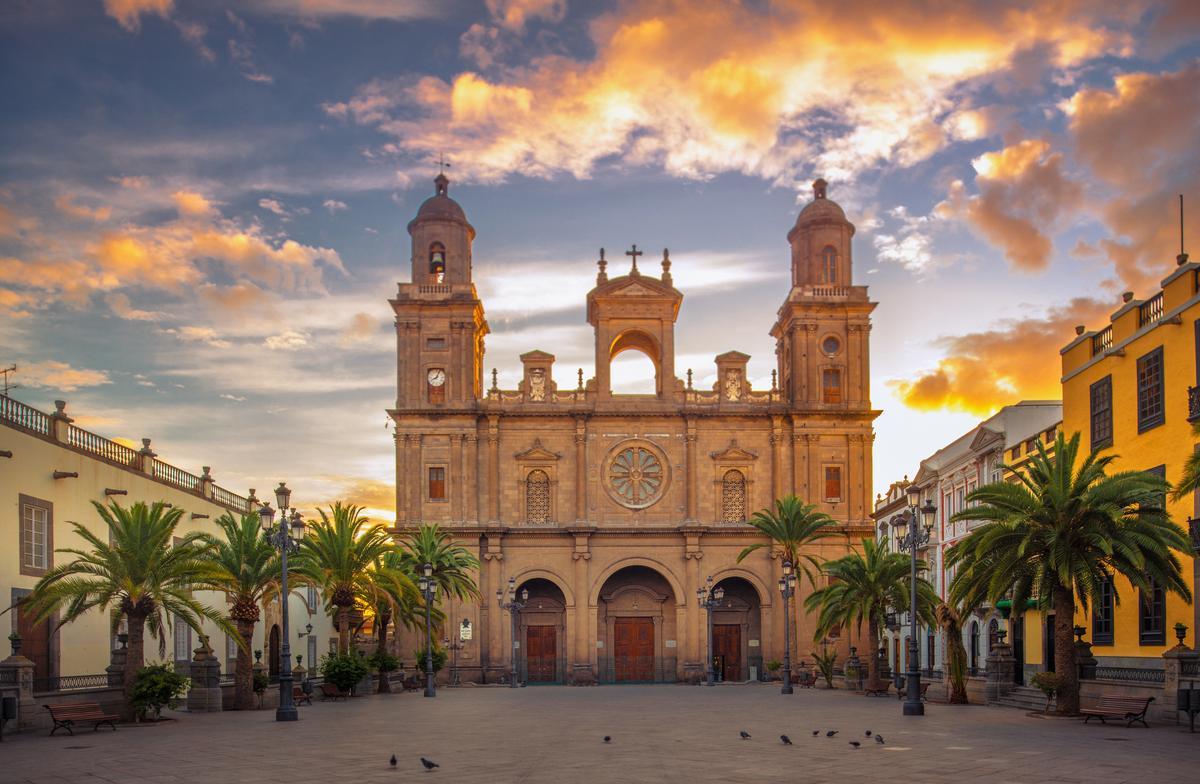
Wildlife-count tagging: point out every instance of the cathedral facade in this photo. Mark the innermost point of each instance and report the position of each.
(609, 511)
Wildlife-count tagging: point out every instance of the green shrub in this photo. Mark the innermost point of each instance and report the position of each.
(344, 670)
(382, 661)
(773, 665)
(158, 686)
(1049, 682)
(261, 682)
(439, 658)
(825, 663)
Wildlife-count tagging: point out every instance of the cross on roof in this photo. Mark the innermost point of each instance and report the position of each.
(443, 164)
(635, 253)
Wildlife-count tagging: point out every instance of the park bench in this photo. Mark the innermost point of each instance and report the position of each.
(902, 693)
(331, 692)
(1111, 706)
(300, 697)
(878, 689)
(66, 715)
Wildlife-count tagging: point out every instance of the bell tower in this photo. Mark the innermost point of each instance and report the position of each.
(440, 324)
(823, 326)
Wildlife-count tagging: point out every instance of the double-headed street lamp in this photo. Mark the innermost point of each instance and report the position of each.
(709, 598)
(428, 588)
(286, 538)
(787, 589)
(916, 538)
(513, 607)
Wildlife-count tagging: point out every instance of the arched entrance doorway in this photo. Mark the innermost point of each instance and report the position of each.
(636, 627)
(273, 653)
(737, 632)
(543, 633)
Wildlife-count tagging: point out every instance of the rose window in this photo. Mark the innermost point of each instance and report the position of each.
(636, 477)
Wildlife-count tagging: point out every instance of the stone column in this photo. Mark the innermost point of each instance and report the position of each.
(496, 663)
(580, 471)
(206, 482)
(401, 442)
(694, 642)
(22, 670)
(146, 457)
(205, 694)
(1175, 661)
(60, 423)
(580, 657)
(776, 439)
(116, 666)
(458, 483)
(493, 469)
(691, 437)
(471, 459)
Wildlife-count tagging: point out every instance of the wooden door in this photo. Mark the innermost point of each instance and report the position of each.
(35, 644)
(273, 654)
(727, 650)
(633, 649)
(541, 653)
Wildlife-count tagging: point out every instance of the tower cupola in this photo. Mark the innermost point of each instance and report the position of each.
(441, 239)
(820, 242)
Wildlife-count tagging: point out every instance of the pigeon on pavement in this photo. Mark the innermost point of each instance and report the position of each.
(868, 734)
(816, 733)
(831, 733)
(392, 761)
(786, 740)
(745, 735)
(429, 764)
(855, 744)
(608, 739)
(879, 739)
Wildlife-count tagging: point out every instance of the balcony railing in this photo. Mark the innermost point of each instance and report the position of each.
(70, 683)
(175, 476)
(229, 498)
(1102, 341)
(24, 416)
(99, 445)
(1193, 404)
(1151, 310)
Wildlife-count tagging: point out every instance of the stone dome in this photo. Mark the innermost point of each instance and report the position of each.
(820, 210)
(440, 206)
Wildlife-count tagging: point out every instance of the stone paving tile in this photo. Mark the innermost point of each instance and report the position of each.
(553, 735)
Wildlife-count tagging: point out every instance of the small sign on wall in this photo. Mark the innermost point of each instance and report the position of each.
(599, 643)
(670, 643)
(464, 631)
(754, 643)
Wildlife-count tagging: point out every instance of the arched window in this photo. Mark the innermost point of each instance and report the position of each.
(537, 496)
(831, 385)
(829, 264)
(437, 261)
(974, 646)
(733, 497)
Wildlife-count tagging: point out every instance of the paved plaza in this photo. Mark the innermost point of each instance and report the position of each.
(660, 734)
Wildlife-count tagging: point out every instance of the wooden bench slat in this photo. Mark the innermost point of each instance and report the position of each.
(1112, 706)
(67, 714)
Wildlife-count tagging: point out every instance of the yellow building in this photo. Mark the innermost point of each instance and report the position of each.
(50, 472)
(1130, 388)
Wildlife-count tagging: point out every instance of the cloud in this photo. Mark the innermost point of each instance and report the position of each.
(1022, 193)
(241, 51)
(910, 245)
(287, 341)
(128, 13)
(191, 204)
(361, 327)
(333, 205)
(124, 309)
(770, 90)
(67, 206)
(234, 398)
(206, 335)
(275, 206)
(513, 14)
(52, 374)
(317, 10)
(1015, 360)
(13, 225)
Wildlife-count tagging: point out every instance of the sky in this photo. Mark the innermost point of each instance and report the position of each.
(203, 204)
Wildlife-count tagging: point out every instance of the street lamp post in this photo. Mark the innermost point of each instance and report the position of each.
(916, 537)
(513, 607)
(787, 588)
(709, 598)
(428, 590)
(285, 538)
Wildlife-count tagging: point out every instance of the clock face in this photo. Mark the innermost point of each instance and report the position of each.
(436, 377)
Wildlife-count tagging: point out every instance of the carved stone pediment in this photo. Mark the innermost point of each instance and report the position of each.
(537, 452)
(733, 453)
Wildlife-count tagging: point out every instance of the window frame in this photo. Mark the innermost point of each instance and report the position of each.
(1149, 421)
(24, 501)
(429, 484)
(1103, 385)
(1104, 614)
(549, 488)
(839, 497)
(744, 482)
(1150, 611)
(832, 395)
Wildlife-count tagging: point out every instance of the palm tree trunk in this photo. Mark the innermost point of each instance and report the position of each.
(956, 665)
(135, 656)
(382, 620)
(243, 679)
(1064, 651)
(872, 654)
(343, 615)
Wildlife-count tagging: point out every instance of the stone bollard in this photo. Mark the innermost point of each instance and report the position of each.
(1181, 669)
(1084, 659)
(116, 666)
(22, 675)
(205, 694)
(1001, 667)
(60, 423)
(853, 671)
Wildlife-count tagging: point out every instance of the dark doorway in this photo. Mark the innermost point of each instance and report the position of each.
(541, 652)
(273, 654)
(1048, 643)
(35, 644)
(1018, 642)
(633, 649)
(727, 652)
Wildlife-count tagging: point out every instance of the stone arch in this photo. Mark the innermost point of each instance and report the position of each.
(637, 623)
(643, 343)
(650, 563)
(526, 575)
(737, 627)
(765, 594)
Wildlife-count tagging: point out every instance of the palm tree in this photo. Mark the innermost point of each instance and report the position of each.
(134, 572)
(950, 620)
(338, 555)
(1058, 533)
(790, 526)
(396, 599)
(247, 569)
(1190, 481)
(452, 564)
(862, 587)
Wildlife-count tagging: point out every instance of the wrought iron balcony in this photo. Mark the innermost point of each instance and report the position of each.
(1193, 403)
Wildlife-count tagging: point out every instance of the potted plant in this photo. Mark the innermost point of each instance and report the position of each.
(344, 671)
(1049, 683)
(825, 664)
(383, 662)
(155, 687)
(260, 684)
(439, 658)
(773, 667)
